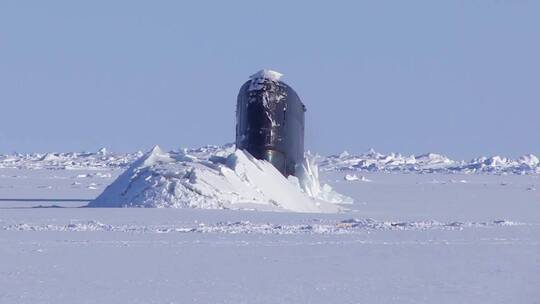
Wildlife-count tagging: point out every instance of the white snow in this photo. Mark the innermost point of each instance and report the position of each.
(351, 177)
(99, 160)
(236, 181)
(529, 161)
(354, 177)
(431, 162)
(326, 227)
(370, 161)
(258, 79)
(405, 239)
(266, 74)
(102, 151)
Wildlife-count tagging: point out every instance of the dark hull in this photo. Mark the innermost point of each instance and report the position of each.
(270, 123)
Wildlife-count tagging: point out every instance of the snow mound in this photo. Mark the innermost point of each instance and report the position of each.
(218, 180)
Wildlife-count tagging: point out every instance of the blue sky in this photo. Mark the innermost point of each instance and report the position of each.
(456, 77)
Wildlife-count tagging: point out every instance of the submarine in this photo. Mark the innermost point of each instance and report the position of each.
(270, 121)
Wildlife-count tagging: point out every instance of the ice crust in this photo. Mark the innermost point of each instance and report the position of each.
(221, 179)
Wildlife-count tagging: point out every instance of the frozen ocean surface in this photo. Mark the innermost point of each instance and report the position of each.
(410, 237)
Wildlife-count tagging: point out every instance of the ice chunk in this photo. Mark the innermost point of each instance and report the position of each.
(529, 160)
(155, 155)
(351, 177)
(308, 177)
(102, 151)
(354, 177)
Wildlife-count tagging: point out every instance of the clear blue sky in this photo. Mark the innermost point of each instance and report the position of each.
(456, 77)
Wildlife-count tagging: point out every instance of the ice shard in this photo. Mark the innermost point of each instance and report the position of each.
(270, 121)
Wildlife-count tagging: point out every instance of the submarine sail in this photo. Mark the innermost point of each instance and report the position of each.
(270, 121)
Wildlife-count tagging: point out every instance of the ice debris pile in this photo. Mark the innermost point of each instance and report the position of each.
(428, 163)
(218, 179)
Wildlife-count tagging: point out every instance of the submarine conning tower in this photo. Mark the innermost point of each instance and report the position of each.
(270, 121)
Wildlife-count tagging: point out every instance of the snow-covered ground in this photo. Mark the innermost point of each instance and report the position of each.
(428, 230)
